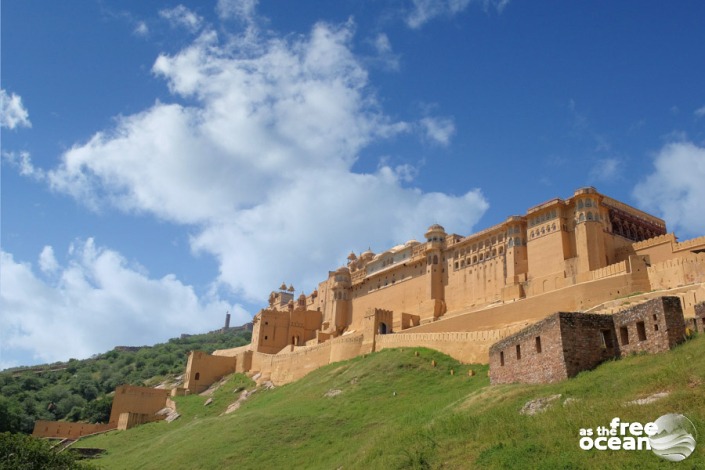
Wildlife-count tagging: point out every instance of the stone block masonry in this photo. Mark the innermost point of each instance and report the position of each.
(553, 349)
(566, 343)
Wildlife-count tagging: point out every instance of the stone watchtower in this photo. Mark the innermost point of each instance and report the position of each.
(435, 244)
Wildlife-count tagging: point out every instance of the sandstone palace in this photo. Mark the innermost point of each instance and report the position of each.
(460, 294)
(539, 297)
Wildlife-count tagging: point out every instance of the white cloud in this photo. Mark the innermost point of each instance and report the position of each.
(423, 11)
(47, 260)
(439, 130)
(675, 189)
(242, 9)
(141, 29)
(385, 55)
(13, 114)
(180, 16)
(606, 169)
(700, 112)
(261, 165)
(23, 162)
(93, 303)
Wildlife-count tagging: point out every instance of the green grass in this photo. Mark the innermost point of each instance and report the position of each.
(435, 420)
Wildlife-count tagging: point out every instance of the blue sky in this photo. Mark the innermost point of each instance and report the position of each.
(166, 162)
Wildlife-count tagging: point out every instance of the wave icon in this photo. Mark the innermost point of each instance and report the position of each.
(674, 439)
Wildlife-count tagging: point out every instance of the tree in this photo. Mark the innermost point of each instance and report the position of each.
(18, 451)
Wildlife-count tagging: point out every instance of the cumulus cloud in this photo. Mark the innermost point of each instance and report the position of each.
(260, 164)
(93, 303)
(439, 130)
(180, 16)
(675, 188)
(423, 11)
(13, 114)
(47, 260)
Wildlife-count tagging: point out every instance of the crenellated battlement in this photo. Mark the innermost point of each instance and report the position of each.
(658, 240)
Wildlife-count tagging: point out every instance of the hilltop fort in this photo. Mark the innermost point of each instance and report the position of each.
(489, 297)
(460, 294)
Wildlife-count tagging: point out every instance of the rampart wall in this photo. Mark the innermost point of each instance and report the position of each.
(202, 369)
(676, 272)
(64, 430)
(467, 347)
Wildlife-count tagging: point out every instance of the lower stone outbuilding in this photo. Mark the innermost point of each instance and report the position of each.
(566, 343)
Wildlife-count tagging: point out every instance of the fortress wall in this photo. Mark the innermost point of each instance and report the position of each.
(676, 272)
(532, 309)
(64, 430)
(202, 369)
(286, 368)
(467, 347)
(141, 400)
(345, 347)
(231, 352)
(611, 270)
(688, 244)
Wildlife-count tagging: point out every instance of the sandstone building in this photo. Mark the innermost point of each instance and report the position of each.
(460, 294)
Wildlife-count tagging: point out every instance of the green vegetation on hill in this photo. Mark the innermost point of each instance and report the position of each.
(393, 409)
(21, 452)
(81, 390)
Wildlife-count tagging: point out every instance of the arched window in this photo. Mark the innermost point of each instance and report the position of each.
(580, 204)
(435, 259)
(581, 218)
(589, 215)
(198, 376)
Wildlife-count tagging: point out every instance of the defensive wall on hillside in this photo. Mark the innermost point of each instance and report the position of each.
(131, 406)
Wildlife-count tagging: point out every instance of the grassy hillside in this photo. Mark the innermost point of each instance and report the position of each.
(395, 410)
(81, 389)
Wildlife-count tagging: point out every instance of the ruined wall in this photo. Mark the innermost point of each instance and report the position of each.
(203, 369)
(588, 340)
(653, 326)
(699, 320)
(518, 359)
(64, 430)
